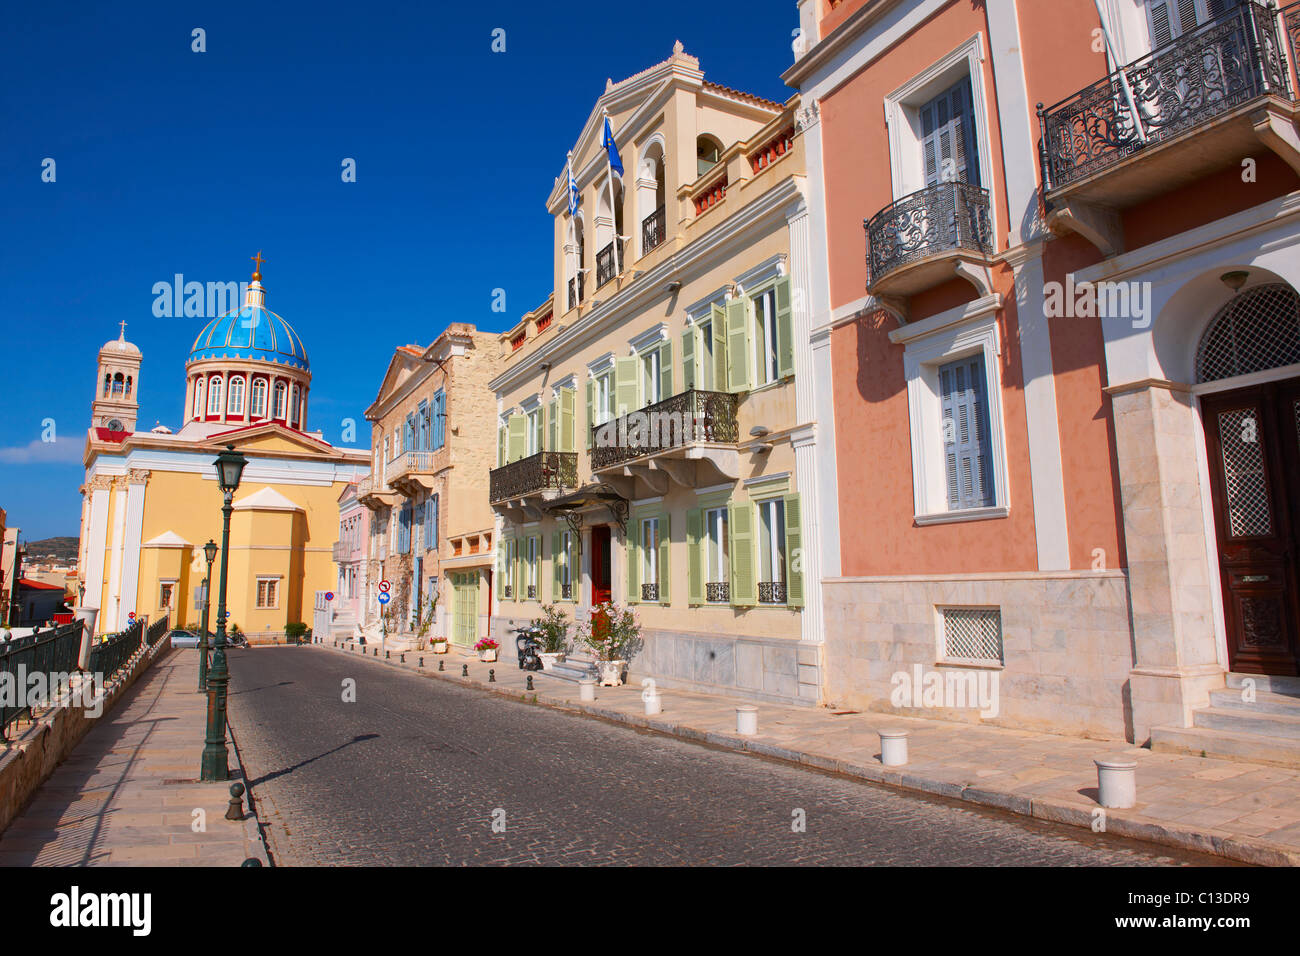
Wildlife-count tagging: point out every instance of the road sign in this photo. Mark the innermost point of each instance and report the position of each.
(383, 597)
(329, 595)
(384, 586)
(130, 616)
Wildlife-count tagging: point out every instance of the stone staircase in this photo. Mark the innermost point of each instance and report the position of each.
(574, 668)
(1265, 730)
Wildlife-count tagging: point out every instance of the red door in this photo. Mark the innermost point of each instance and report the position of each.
(1253, 440)
(602, 585)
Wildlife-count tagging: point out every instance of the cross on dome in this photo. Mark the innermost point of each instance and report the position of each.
(257, 270)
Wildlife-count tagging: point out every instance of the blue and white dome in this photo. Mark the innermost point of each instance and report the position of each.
(254, 333)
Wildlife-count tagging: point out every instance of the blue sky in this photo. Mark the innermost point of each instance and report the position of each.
(170, 161)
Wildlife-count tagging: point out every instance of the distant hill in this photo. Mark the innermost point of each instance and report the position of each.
(63, 548)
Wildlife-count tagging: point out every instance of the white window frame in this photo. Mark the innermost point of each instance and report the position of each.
(170, 585)
(603, 403)
(279, 395)
(902, 114)
(929, 344)
(256, 408)
(533, 437)
(566, 576)
(774, 546)
(765, 355)
(716, 549)
(532, 565)
(199, 396)
(273, 591)
(650, 555)
(215, 395)
(233, 407)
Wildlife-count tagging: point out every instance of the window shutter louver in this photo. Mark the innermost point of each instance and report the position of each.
(518, 425)
(665, 540)
(966, 451)
(558, 557)
(738, 345)
(591, 419)
(1162, 30)
(431, 524)
(440, 419)
(688, 358)
(553, 424)
(625, 385)
(666, 371)
(784, 329)
(633, 561)
(566, 420)
(740, 525)
(718, 332)
(793, 552)
(694, 556)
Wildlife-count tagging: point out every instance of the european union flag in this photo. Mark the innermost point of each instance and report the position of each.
(615, 163)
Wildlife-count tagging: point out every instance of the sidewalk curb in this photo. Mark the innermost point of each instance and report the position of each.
(254, 840)
(1121, 823)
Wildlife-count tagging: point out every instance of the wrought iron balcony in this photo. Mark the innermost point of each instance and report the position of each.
(566, 592)
(532, 592)
(911, 243)
(653, 229)
(717, 591)
(534, 475)
(771, 592)
(607, 266)
(650, 592)
(693, 416)
(1186, 87)
(575, 290)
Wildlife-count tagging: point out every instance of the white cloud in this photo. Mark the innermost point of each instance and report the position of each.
(61, 451)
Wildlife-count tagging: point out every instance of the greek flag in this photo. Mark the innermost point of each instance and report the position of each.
(573, 189)
(615, 163)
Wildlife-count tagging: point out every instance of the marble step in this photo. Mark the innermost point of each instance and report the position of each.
(1274, 726)
(1227, 745)
(1264, 702)
(1287, 686)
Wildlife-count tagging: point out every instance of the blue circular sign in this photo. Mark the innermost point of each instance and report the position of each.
(329, 595)
(383, 597)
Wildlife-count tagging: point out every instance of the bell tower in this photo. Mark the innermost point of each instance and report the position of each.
(117, 383)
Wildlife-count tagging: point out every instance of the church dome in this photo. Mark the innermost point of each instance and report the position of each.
(253, 333)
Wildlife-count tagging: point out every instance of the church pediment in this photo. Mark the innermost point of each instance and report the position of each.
(270, 437)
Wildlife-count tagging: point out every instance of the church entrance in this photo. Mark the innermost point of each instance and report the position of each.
(1253, 444)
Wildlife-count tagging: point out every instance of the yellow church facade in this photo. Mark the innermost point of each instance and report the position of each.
(151, 500)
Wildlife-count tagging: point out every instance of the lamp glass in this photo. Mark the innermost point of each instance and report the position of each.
(230, 465)
(210, 551)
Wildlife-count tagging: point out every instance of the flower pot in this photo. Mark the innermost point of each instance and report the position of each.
(549, 660)
(488, 655)
(440, 647)
(611, 673)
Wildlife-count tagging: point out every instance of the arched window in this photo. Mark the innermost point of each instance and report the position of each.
(119, 383)
(108, 379)
(1258, 330)
(198, 398)
(651, 197)
(128, 386)
(235, 404)
(214, 395)
(259, 398)
(707, 153)
(277, 409)
(293, 407)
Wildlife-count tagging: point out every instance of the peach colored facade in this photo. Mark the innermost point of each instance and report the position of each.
(1055, 493)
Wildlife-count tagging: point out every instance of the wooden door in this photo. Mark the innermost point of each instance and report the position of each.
(1253, 443)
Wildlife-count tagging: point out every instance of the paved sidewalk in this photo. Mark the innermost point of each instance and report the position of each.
(126, 795)
(1240, 811)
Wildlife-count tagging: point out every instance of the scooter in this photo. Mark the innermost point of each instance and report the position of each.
(528, 642)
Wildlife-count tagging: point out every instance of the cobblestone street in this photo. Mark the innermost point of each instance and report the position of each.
(416, 771)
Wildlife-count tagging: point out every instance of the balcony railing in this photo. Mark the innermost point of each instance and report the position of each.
(717, 591)
(690, 417)
(575, 291)
(939, 218)
(409, 463)
(771, 592)
(341, 551)
(606, 265)
(1201, 75)
(653, 229)
(536, 473)
(650, 592)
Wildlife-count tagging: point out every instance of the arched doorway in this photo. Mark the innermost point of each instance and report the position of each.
(1252, 436)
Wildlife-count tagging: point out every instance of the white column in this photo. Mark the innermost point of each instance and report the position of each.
(98, 531)
(1019, 135)
(113, 609)
(131, 550)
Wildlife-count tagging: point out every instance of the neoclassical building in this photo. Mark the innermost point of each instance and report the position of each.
(150, 498)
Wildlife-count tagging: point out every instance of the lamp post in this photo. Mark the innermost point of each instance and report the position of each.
(230, 465)
(209, 552)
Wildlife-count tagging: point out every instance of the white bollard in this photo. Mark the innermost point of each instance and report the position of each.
(587, 689)
(653, 704)
(747, 720)
(893, 747)
(1116, 782)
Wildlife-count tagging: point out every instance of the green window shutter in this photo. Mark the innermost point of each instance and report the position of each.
(666, 370)
(738, 345)
(501, 446)
(626, 391)
(689, 377)
(694, 556)
(793, 552)
(553, 425)
(784, 329)
(740, 523)
(665, 576)
(591, 405)
(566, 421)
(518, 439)
(633, 561)
(718, 332)
(501, 570)
(557, 564)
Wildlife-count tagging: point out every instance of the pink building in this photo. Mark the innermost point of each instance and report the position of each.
(1056, 306)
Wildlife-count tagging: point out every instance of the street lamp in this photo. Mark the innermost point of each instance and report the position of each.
(230, 465)
(210, 552)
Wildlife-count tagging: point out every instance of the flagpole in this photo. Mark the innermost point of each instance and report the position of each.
(613, 212)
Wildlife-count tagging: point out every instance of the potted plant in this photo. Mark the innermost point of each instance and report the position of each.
(614, 636)
(487, 650)
(555, 635)
(294, 632)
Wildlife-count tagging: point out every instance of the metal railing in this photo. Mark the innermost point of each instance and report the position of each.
(939, 218)
(110, 655)
(771, 592)
(606, 265)
(546, 469)
(340, 551)
(653, 229)
(1188, 82)
(53, 652)
(575, 290)
(157, 630)
(689, 417)
(717, 591)
(409, 463)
